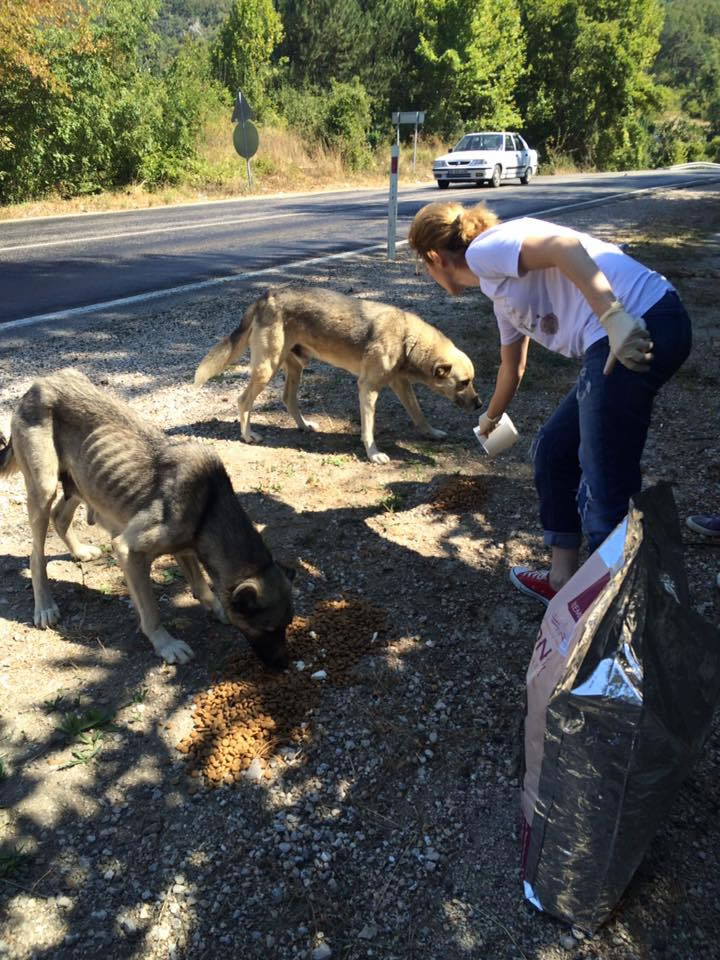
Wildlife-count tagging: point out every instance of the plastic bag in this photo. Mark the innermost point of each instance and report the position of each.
(621, 690)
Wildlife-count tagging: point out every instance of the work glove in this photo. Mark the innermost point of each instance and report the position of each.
(630, 341)
(486, 423)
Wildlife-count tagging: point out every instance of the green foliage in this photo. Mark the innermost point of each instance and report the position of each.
(678, 139)
(338, 118)
(242, 52)
(347, 120)
(689, 58)
(588, 89)
(324, 40)
(469, 60)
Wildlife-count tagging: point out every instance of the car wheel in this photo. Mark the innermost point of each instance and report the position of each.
(443, 184)
(496, 177)
(527, 176)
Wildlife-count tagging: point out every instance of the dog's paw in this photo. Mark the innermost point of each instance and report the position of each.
(47, 615)
(251, 437)
(86, 552)
(312, 425)
(377, 457)
(435, 433)
(169, 647)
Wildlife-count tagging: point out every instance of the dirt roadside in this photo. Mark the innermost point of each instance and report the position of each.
(380, 817)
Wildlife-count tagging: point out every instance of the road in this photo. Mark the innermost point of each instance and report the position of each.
(55, 266)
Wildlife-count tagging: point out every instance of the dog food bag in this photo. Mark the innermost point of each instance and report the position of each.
(621, 689)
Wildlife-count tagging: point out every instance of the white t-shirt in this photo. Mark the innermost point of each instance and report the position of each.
(544, 304)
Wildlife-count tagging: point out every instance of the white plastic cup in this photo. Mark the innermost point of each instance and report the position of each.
(501, 438)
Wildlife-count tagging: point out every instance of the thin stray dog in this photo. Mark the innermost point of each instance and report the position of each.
(155, 496)
(381, 344)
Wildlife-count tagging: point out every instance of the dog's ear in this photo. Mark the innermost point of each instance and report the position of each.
(288, 571)
(441, 371)
(244, 598)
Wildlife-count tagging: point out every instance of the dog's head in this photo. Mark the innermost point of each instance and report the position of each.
(261, 606)
(453, 377)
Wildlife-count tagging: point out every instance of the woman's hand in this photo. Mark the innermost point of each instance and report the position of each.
(630, 341)
(486, 423)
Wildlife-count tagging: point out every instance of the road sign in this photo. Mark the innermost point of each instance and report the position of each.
(242, 110)
(408, 116)
(246, 139)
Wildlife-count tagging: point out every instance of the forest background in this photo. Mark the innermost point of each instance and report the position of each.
(136, 95)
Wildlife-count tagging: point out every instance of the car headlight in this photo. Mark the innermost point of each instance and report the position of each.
(438, 165)
(478, 163)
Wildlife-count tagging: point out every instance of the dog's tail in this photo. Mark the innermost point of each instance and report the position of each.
(228, 350)
(8, 461)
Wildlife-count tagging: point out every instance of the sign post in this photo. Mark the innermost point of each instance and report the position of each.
(416, 117)
(245, 135)
(392, 201)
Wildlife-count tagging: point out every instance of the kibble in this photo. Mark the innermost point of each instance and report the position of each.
(249, 714)
(461, 494)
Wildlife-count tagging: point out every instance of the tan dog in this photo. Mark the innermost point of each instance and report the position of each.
(380, 344)
(155, 496)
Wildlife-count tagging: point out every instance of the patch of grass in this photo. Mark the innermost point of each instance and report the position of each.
(73, 725)
(90, 744)
(392, 502)
(170, 574)
(12, 862)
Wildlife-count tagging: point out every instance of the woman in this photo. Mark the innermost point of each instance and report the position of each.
(580, 297)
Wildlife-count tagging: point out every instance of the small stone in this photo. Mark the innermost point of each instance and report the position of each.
(300, 665)
(255, 771)
(323, 952)
(567, 941)
(64, 902)
(577, 933)
(319, 675)
(128, 927)
(368, 932)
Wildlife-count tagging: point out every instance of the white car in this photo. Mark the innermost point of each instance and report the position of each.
(486, 158)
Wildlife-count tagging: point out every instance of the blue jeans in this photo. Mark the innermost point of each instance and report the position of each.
(587, 456)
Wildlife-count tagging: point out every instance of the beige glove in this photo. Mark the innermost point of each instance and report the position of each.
(486, 423)
(630, 341)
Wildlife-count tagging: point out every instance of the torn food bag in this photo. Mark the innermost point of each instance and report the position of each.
(621, 689)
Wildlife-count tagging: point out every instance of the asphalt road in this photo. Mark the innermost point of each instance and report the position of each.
(71, 265)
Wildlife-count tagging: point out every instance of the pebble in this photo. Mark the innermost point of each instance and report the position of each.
(323, 952)
(319, 675)
(567, 941)
(368, 932)
(254, 772)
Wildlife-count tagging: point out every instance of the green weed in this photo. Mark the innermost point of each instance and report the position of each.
(73, 725)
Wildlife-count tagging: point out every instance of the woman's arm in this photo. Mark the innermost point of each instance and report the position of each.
(570, 257)
(629, 340)
(513, 359)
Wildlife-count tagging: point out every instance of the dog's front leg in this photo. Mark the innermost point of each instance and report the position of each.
(39, 503)
(136, 569)
(406, 395)
(368, 399)
(194, 575)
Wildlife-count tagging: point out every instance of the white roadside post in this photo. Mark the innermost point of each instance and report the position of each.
(415, 117)
(392, 201)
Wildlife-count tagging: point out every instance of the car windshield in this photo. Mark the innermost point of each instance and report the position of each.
(481, 141)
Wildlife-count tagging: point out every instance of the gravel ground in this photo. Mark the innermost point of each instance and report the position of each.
(372, 812)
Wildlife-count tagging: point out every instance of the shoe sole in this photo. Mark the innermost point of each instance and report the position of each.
(526, 590)
(698, 528)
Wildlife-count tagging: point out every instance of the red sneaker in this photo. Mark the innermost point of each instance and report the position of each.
(535, 583)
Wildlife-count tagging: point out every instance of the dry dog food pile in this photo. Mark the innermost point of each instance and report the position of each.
(250, 713)
(461, 494)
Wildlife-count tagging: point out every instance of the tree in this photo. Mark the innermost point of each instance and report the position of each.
(468, 62)
(588, 91)
(245, 44)
(324, 40)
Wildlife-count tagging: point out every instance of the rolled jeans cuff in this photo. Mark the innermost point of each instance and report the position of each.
(568, 541)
